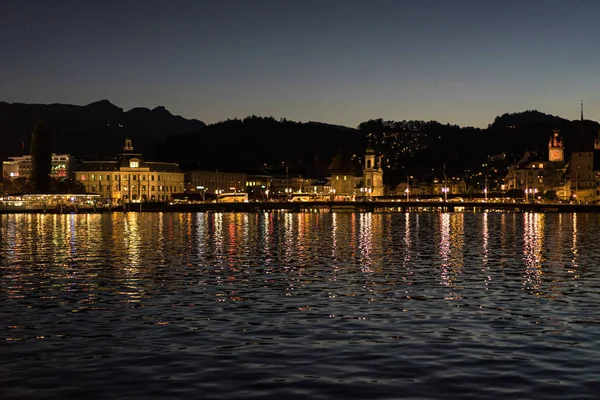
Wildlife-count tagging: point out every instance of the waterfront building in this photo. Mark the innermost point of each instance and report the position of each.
(346, 176)
(20, 167)
(215, 182)
(585, 167)
(454, 185)
(130, 178)
(536, 176)
(320, 186)
(258, 186)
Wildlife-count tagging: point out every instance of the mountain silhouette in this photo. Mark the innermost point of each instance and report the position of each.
(97, 129)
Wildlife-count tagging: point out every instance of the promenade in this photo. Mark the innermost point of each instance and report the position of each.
(328, 206)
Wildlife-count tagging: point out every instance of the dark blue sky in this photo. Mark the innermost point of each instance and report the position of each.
(342, 62)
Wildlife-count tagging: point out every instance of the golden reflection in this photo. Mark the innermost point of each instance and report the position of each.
(533, 242)
(407, 241)
(485, 248)
(160, 248)
(303, 223)
(218, 234)
(445, 247)
(574, 248)
(485, 236)
(200, 238)
(451, 250)
(365, 241)
(132, 241)
(267, 236)
(288, 238)
(334, 237)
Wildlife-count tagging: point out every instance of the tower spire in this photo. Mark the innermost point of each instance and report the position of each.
(581, 124)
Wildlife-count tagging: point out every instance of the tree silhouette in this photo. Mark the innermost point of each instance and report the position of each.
(41, 158)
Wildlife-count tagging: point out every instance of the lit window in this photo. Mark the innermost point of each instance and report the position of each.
(134, 164)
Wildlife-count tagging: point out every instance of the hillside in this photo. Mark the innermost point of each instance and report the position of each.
(256, 143)
(95, 129)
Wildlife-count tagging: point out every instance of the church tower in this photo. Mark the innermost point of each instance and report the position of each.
(372, 174)
(597, 141)
(555, 147)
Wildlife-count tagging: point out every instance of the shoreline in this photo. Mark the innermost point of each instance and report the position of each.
(375, 206)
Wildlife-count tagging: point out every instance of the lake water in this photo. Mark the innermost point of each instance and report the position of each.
(300, 305)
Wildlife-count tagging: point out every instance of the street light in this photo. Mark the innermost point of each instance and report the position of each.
(203, 192)
(485, 189)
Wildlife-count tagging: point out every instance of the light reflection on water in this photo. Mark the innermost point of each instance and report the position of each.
(284, 305)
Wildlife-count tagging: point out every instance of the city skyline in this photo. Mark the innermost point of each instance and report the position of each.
(340, 62)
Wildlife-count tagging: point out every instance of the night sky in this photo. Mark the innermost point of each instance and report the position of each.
(341, 62)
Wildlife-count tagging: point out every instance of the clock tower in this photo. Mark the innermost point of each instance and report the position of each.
(555, 148)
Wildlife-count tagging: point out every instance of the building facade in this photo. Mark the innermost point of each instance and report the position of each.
(536, 176)
(215, 182)
(129, 178)
(346, 177)
(372, 183)
(20, 167)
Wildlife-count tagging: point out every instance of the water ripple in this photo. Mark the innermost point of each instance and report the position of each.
(284, 305)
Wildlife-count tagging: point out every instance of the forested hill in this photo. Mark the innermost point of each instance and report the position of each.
(419, 148)
(262, 143)
(532, 129)
(96, 129)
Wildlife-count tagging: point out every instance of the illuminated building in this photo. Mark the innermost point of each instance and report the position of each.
(372, 183)
(555, 148)
(15, 167)
(346, 176)
(583, 169)
(215, 182)
(130, 178)
(536, 176)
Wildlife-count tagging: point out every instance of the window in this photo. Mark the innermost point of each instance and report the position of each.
(134, 177)
(152, 177)
(152, 188)
(143, 188)
(108, 177)
(93, 177)
(134, 163)
(99, 177)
